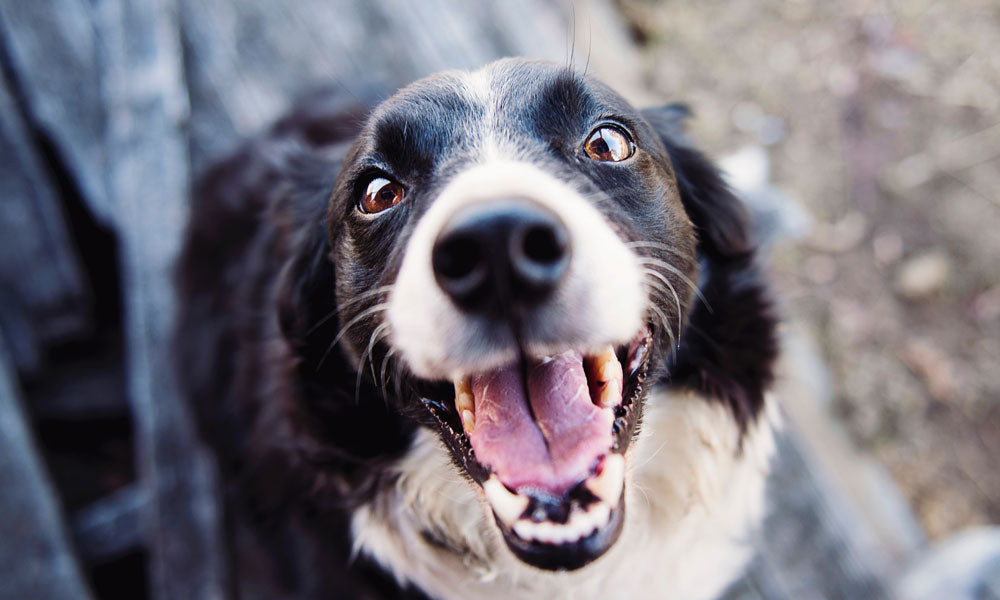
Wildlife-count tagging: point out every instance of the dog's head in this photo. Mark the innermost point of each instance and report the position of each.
(515, 263)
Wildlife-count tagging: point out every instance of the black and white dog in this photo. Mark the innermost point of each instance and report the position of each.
(510, 342)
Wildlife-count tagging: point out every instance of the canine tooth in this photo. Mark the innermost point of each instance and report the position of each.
(507, 505)
(602, 514)
(465, 403)
(608, 485)
(468, 421)
(464, 399)
(611, 394)
(602, 364)
(606, 361)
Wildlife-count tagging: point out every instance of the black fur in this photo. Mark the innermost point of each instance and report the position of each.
(729, 346)
(303, 440)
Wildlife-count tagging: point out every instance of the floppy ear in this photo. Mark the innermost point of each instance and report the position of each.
(728, 348)
(307, 307)
(718, 215)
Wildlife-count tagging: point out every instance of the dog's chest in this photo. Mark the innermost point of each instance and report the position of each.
(691, 501)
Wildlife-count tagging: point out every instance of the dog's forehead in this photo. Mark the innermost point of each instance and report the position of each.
(494, 111)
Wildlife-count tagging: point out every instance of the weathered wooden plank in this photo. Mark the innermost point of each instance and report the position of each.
(805, 550)
(148, 183)
(89, 388)
(51, 48)
(35, 556)
(246, 61)
(806, 544)
(112, 526)
(37, 304)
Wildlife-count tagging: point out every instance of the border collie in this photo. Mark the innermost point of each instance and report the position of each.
(502, 336)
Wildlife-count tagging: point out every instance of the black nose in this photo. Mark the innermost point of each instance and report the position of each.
(510, 252)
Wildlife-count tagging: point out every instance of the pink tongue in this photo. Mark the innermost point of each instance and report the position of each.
(507, 439)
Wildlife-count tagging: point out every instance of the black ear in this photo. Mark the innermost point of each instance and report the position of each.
(728, 348)
(717, 214)
(306, 301)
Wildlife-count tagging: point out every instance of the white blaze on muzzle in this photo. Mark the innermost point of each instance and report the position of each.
(600, 300)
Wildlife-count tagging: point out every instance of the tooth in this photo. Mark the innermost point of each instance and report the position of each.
(545, 532)
(468, 421)
(465, 402)
(611, 394)
(605, 375)
(608, 485)
(507, 505)
(523, 529)
(606, 362)
(602, 364)
(602, 514)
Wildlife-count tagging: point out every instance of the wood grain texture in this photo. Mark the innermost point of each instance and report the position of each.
(32, 528)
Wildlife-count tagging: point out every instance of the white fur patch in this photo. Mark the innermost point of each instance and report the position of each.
(600, 302)
(691, 502)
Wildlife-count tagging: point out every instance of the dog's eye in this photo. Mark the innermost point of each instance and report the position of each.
(609, 144)
(381, 194)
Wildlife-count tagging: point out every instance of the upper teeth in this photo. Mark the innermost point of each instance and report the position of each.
(606, 372)
(465, 403)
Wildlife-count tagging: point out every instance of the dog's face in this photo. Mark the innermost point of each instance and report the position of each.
(514, 260)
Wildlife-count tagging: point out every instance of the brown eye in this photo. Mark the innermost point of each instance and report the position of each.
(381, 194)
(609, 144)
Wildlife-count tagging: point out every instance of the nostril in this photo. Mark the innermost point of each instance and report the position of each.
(459, 267)
(539, 254)
(543, 245)
(456, 258)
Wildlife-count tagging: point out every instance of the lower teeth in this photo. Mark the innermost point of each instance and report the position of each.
(581, 524)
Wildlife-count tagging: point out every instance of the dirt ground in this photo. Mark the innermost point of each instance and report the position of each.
(882, 121)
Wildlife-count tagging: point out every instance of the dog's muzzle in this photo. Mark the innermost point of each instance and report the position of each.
(517, 290)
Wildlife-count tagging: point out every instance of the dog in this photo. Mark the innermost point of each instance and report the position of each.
(502, 335)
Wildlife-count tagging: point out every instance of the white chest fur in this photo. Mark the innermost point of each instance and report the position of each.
(692, 500)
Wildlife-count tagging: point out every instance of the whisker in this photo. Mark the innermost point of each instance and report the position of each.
(382, 372)
(660, 291)
(653, 262)
(399, 380)
(381, 332)
(363, 314)
(652, 244)
(376, 335)
(651, 456)
(665, 323)
(352, 301)
(677, 300)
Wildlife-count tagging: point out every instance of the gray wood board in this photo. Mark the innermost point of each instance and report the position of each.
(36, 559)
(54, 53)
(148, 182)
(43, 296)
(804, 549)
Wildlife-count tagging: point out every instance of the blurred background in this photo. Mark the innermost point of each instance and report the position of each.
(864, 136)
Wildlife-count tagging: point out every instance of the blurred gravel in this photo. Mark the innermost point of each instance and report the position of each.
(882, 120)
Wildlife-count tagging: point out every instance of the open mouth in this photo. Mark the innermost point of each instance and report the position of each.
(546, 441)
